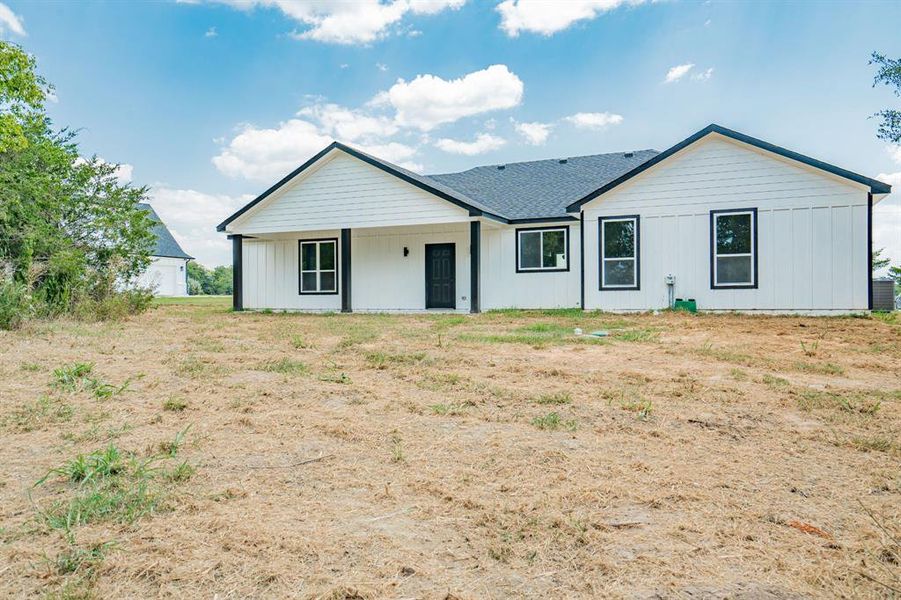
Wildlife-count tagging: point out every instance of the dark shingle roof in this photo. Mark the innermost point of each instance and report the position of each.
(541, 188)
(165, 243)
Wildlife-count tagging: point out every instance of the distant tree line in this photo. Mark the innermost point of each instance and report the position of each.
(72, 238)
(215, 282)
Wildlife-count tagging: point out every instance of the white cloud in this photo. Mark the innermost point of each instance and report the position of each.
(381, 67)
(268, 154)
(349, 125)
(548, 17)
(893, 179)
(431, 7)
(534, 133)
(484, 142)
(594, 121)
(703, 75)
(10, 20)
(887, 220)
(895, 152)
(393, 152)
(211, 32)
(429, 101)
(124, 172)
(678, 72)
(192, 217)
(358, 22)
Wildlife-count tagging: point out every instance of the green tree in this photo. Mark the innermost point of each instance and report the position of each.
(889, 74)
(878, 262)
(72, 237)
(198, 278)
(216, 282)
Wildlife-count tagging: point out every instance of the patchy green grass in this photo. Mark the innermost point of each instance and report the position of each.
(382, 360)
(775, 382)
(636, 335)
(531, 339)
(849, 401)
(555, 398)
(643, 408)
(43, 412)
(285, 366)
(397, 449)
(299, 343)
(71, 378)
(175, 405)
(728, 356)
(334, 376)
(356, 335)
(552, 422)
(876, 443)
(447, 409)
(825, 368)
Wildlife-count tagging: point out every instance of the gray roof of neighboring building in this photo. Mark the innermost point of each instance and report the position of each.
(165, 243)
(541, 188)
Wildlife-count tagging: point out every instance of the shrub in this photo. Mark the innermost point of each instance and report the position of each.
(16, 305)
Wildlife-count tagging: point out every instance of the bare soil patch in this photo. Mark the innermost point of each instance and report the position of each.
(451, 456)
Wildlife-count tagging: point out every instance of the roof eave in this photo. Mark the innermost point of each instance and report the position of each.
(876, 186)
(473, 210)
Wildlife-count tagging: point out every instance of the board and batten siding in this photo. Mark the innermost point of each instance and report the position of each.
(166, 276)
(382, 278)
(503, 287)
(343, 191)
(811, 232)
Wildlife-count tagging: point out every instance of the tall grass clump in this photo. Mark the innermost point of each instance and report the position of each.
(110, 485)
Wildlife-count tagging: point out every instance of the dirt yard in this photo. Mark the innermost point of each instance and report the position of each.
(204, 454)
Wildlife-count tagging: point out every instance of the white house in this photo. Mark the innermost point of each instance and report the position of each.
(731, 221)
(168, 270)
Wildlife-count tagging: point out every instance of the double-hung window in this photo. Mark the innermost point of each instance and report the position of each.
(542, 249)
(733, 248)
(318, 266)
(619, 245)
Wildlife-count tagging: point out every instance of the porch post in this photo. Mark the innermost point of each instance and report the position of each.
(346, 305)
(475, 236)
(237, 273)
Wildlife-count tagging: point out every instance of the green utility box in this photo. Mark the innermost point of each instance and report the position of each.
(686, 304)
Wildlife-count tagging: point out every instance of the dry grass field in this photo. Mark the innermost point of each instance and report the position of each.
(192, 452)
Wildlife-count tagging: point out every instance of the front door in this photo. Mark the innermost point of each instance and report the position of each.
(440, 276)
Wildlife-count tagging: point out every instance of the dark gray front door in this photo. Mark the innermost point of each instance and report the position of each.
(440, 276)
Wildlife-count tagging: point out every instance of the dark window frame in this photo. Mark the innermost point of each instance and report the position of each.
(300, 289)
(617, 288)
(563, 228)
(733, 286)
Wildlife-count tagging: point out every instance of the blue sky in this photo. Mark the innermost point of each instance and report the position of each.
(210, 102)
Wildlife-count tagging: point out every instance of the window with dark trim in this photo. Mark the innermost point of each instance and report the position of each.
(318, 266)
(620, 254)
(542, 249)
(733, 248)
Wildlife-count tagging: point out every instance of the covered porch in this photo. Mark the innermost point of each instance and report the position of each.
(403, 268)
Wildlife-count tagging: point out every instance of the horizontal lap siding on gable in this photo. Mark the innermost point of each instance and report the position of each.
(811, 239)
(347, 192)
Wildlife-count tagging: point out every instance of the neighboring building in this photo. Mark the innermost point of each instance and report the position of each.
(738, 224)
(168, 271)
